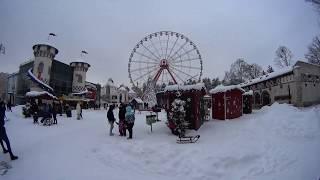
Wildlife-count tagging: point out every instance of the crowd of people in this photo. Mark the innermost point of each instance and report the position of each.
(126, 119)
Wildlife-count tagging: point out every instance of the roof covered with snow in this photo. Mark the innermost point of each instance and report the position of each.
(248, 93)
(41, 93)
(132, 92)
(81, 93)
(222, 88)
(283, 71)
(138, 100)
(35, 79)
(110, 82)
(122, 88)
(179, 87)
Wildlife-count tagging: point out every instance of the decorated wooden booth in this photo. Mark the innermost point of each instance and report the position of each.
(226, 102)
(192, 96)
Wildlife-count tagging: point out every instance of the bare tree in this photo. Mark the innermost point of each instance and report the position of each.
(313, 54)
(283, 57)
(315, 3)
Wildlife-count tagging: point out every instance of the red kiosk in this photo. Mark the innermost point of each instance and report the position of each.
(227, 102)
(191, 94)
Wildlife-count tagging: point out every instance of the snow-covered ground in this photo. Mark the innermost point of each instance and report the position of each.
(277, 142)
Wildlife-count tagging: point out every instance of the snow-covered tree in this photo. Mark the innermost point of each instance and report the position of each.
(149, 95)
(253, 71)
(283, 57)
(178, 115)
(313, 54)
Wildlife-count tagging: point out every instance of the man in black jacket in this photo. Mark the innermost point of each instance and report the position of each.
(3, 133)
(122, 117)
(111, 119)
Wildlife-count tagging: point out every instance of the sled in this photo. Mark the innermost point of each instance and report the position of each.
(4, 166)
(188, 139)
(47, 122)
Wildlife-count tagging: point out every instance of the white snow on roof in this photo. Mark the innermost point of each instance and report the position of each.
(81, 93)
(250, 93)
(267, 76)
(38, 80)
(180, 87)
(222, 88)
(132, 92)
(138, 100)
(122, 88)
(41, 93)
(110, 82)
(90, 85)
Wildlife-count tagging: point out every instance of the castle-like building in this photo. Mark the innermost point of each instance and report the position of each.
(45, 76)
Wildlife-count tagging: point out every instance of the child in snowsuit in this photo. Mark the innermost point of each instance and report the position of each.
(129, 120)
(122, 117)
(111, 119)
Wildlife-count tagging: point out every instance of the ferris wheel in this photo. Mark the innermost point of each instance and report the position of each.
(164, 57)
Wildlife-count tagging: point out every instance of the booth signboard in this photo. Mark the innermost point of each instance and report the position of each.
(150, 119)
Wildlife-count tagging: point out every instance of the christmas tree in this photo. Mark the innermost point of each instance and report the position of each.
(178, 115)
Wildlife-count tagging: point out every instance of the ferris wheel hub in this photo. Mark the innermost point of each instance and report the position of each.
(164, 63)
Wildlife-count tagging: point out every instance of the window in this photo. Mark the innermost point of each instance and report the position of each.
(79, 78)
(40, 67)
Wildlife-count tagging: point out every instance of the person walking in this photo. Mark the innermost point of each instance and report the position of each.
(3, 133)
(78, 108)
(9, 106)
(35, 112)
(122, 117)
(111, 119)
(54, 113)
(129, 117)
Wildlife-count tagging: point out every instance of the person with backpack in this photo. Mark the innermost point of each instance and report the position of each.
(130, 118)
(111, 119)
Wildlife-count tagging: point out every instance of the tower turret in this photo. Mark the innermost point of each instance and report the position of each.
(43, 56)
(79, 76)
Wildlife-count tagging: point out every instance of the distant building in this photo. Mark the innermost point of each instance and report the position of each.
(44, 74)
(3, 85)
(112, 94)
(12, 88)
(298, 85)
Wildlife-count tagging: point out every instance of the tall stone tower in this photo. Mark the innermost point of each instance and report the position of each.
(43, 56)
(79, 76)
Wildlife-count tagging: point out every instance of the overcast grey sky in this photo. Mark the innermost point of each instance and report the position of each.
(109, 29)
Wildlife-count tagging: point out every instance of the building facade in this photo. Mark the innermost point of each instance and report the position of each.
(12, 88)
(45, 74)
(298, 85)
(3, 85)
(112, 94)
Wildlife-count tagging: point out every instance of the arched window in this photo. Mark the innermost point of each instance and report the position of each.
(257, 99)
(40, 67)
(266, 100)
(79, 78)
